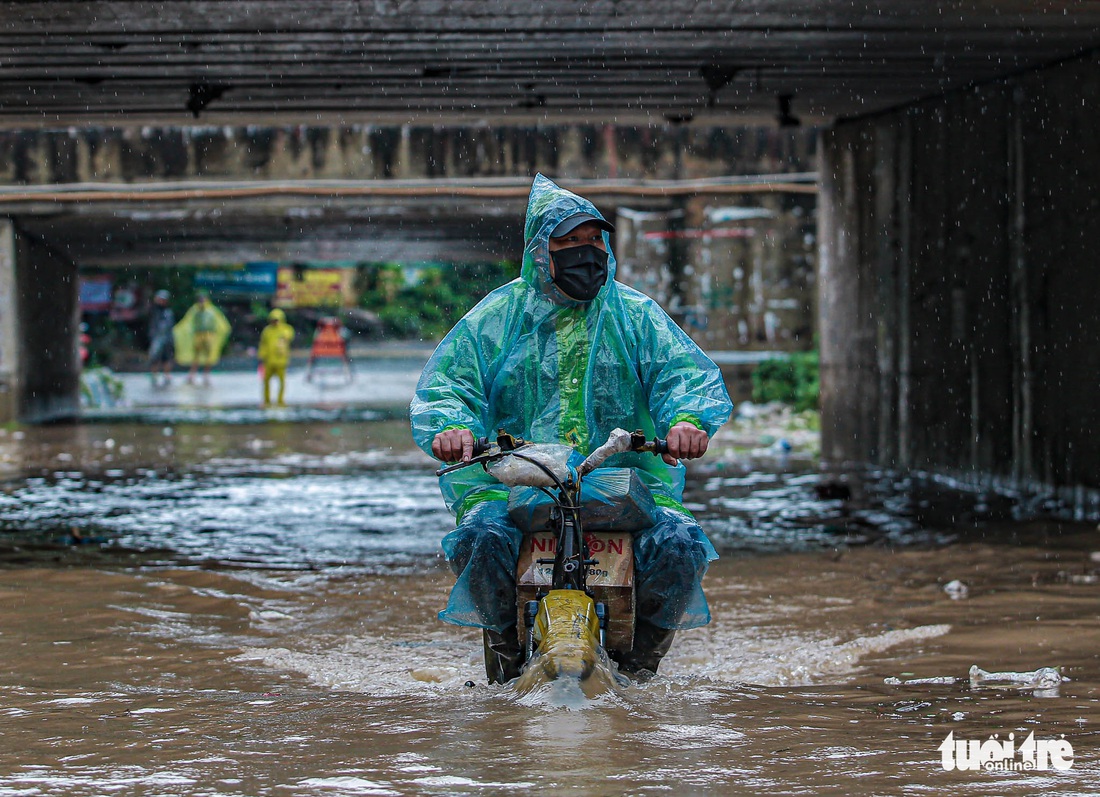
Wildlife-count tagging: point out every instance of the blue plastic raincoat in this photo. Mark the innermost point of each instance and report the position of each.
(530, 360)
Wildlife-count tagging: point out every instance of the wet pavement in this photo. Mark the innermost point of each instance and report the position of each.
(381, 379)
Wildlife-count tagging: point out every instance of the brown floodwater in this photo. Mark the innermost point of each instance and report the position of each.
(249, 609)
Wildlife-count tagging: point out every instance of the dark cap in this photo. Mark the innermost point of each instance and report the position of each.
(576, 220)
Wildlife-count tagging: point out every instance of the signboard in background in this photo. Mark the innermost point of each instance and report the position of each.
(95, 294)
(248, 281)
(309, 286)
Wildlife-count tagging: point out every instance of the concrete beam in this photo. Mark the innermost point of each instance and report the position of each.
(71, 62)
(122, 196)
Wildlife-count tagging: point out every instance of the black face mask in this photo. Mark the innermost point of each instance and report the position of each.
(580, 271)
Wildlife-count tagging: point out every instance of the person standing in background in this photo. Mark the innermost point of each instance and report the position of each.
(162, 350)
(274, 353)
(200, 337)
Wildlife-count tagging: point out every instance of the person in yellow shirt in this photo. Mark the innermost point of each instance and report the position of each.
(274, 353)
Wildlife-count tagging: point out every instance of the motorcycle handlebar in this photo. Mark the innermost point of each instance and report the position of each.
(507, 442)
(656, 446)
(483, 447)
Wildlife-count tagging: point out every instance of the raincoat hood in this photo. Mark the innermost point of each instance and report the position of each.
(548, 206)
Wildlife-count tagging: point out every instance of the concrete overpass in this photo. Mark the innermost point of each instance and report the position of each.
(959, 169)
(266, 61)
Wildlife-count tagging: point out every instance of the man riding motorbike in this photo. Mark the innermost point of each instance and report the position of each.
(565, 354)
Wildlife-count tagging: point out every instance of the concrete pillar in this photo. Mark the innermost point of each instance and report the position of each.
(9, 325)
(848, 317)
(45, 303)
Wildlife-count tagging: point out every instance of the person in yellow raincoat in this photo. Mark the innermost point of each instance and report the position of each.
(274, 353)
(200, 337)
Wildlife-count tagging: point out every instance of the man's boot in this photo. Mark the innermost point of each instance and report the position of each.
(651, 643)
(503, 655)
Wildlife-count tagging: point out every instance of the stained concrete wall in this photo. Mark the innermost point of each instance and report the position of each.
(959, 283)
(376, 152)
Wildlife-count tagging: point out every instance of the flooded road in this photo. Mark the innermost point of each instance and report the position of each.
(249, 609)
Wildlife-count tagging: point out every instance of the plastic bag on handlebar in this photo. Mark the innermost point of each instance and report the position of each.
(611, 499)
(521, 471)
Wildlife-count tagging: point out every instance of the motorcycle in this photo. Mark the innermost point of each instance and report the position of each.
(575, 574)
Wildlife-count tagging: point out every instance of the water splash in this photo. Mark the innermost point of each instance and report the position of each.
(542, 683)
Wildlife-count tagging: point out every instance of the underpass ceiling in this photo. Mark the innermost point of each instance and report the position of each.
(66, 63)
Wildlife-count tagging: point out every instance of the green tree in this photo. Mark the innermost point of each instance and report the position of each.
(793, 380)
(430, 306)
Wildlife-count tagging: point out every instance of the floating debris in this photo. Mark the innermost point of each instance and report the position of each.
(945, 680)
(1083, 578)
(1045, 679)
(956, 590)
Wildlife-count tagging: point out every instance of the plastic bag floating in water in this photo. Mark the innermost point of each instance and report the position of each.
(1044, 678)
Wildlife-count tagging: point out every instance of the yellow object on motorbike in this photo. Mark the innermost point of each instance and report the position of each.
(567, 634)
